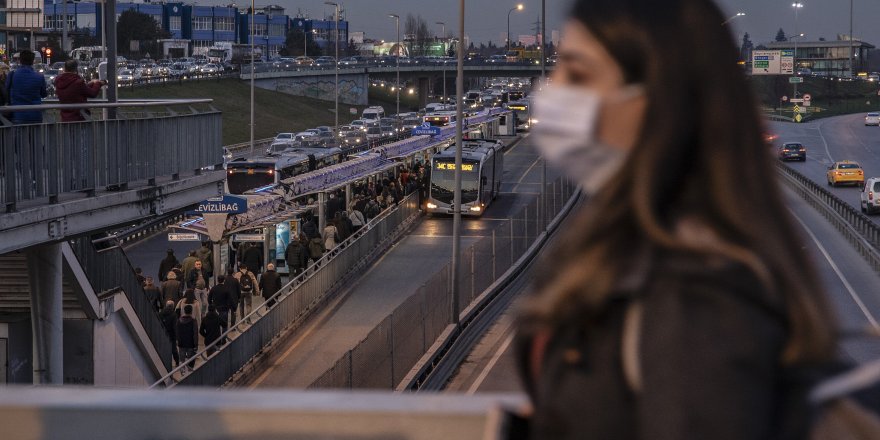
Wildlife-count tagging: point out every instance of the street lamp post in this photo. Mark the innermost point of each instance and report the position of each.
(336, 75)
(738, 14)
(397, 20)
(852, 67)
(456, 203)
(253, 18)
(444, 63)
(518, 7)
(797, 7)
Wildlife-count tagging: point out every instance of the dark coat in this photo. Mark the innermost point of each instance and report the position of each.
(194, 276)
(169, 322)
(72, 89)
(187, 332)
(253, 259)
(170, 291)
(221, 297)
(153, 296)
(26, 87)
(270, 283)
(310, 229)
(296, 255)
(234, 290)
(166, 265)
(710, 346)
(334, 205)
(211, 327)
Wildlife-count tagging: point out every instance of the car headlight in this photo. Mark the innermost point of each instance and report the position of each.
(476, 208)
(431, 206)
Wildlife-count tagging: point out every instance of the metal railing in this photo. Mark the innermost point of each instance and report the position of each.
(388, 353)
(50, 159)
(295, 301)
(110, 270)
(861, 232)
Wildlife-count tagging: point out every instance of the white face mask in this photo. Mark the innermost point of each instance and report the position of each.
(565, 133)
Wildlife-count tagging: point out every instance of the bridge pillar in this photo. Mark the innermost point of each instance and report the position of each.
(44, 276)
(347, 196)
(322, 207)
(424, 90)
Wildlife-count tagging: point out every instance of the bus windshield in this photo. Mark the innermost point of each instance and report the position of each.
(443, 181)
(243, 178)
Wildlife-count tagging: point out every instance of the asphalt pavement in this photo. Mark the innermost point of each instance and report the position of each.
(396, 276)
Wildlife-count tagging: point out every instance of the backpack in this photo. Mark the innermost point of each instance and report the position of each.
(316, 248)
(372, 209)
(246, 283)
(838, 416)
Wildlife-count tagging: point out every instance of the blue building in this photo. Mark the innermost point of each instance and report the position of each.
(322, 31)
(270, 29)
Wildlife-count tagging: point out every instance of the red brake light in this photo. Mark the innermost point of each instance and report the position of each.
(871, 195)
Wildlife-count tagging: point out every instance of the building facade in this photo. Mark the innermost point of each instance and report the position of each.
(828, 58)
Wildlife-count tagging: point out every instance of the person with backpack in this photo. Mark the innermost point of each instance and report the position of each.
(357, 218)
(189, 299)
(679, 299)
(372, 209)
(316, 249)
(248, 287)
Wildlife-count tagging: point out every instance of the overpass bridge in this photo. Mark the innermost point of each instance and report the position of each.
(354, 81)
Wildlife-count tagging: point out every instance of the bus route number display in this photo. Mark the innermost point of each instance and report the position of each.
(451, 166)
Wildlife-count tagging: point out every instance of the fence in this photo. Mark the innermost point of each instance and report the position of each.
(296, 300)
(49, 159)
(110, 270)
(386, 355)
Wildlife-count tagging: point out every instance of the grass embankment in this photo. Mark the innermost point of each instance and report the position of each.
(274, 111)
(829, 97)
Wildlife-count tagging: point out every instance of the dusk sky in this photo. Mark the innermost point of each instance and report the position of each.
(487, 19)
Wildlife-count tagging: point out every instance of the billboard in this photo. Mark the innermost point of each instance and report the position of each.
(772, 62)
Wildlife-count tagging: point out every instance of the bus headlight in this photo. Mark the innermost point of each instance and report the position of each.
(431, 206)
(476, 208)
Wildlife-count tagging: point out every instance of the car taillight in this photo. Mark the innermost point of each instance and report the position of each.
(803, 150)
(871, 195)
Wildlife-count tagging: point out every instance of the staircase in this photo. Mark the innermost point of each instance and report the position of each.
(15, 288)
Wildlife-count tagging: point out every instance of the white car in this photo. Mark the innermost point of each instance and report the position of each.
(870, 196)
(872, 119)
(210, 68)
(284, 137)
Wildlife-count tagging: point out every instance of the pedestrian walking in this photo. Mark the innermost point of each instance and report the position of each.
(297, 256)
(196, 274)
(220, 297)
(211, 328)
(679, 301)
(187, 265)
(167, 264)
(253, 258)
(248, 287)
(357, 218)
(171, 288)
(234, 288)
(139, 274)
(153, 294)
(270, 284)
(189, 299)
(70, 88)
(330, 236)
(26, 87)
(201, 294)
(187, 337)
(169, 323)
(206, 256)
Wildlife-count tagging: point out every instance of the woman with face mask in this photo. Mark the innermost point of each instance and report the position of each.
(678, 303)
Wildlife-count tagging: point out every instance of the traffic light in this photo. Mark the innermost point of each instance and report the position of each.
(48, 51)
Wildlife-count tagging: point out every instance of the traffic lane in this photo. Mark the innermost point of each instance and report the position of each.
(491, 365)
(849, 281)
(375, 294)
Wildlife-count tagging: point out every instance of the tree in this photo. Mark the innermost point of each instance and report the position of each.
(134, 26)
(746, 49)
(780, 36)
(415, 30)
(293, 44)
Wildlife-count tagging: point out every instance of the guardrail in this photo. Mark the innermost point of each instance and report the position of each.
(295, 301)
(49, 159)
(859, 230)
(110, 270)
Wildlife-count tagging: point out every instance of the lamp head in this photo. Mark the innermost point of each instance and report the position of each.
(519, 7)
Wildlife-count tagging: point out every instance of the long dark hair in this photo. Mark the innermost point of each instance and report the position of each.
(700, 155)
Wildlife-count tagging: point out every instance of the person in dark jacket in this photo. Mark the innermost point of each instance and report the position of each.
(679, 297)
(297, 256)
(26, 87)
(72, 89)
(171, 288)
(4, 95)
(187, 336)
(234, 294)
(167, 264)
(197, 273)
(169, 322)
(310, 228)
(270, 284)
(206, 256)
(211, 328)
(253, 259)
(334, 205)
(220, 297)
(154, 296)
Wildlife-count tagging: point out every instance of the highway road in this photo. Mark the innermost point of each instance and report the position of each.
(411, 262)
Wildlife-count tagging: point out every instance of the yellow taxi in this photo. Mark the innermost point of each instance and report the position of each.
(845, 172)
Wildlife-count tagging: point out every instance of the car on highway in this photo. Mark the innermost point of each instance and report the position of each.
(793, 151)
(325, 61)
(304, 61)
(126, 76)
(284, 137)
(210, 69)
(845, 171)
(359, 124)
(354, 137)
(870, 196)
(872, 119)
(374, 133)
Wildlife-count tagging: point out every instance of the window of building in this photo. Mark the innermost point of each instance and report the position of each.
(202, 23)
(259, 29)
(174, 23)
(276, 30)
(84, 21)
(224, 24)
(202, 43)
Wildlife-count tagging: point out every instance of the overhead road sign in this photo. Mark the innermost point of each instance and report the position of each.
(426, 129)
(795, 80)
(772, 62)
(223, 205)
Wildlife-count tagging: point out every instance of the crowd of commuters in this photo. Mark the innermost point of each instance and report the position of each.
(190, 304)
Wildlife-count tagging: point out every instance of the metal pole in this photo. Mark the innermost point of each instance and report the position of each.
(110, 17)
(64, 26)
(253, 11)
(305, 41)
(336, 86)
(543, 202)
(456, 204)
(852, 67)
(44, 279)
(508, 30)
(797, 8)
(398, 64)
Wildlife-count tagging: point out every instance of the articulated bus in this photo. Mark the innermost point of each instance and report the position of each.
(244, 175)
(481, 169)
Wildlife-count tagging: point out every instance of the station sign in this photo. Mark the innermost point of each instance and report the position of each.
(223, 205)
(183, 236)
(249, 237)
(426, 129)
(772, 62)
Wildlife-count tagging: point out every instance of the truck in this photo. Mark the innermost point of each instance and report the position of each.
(227, 52)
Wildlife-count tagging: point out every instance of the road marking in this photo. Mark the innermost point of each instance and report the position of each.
(526, 173)
(822, 136)
(485, 373)
(840, 275)
(520, 141)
